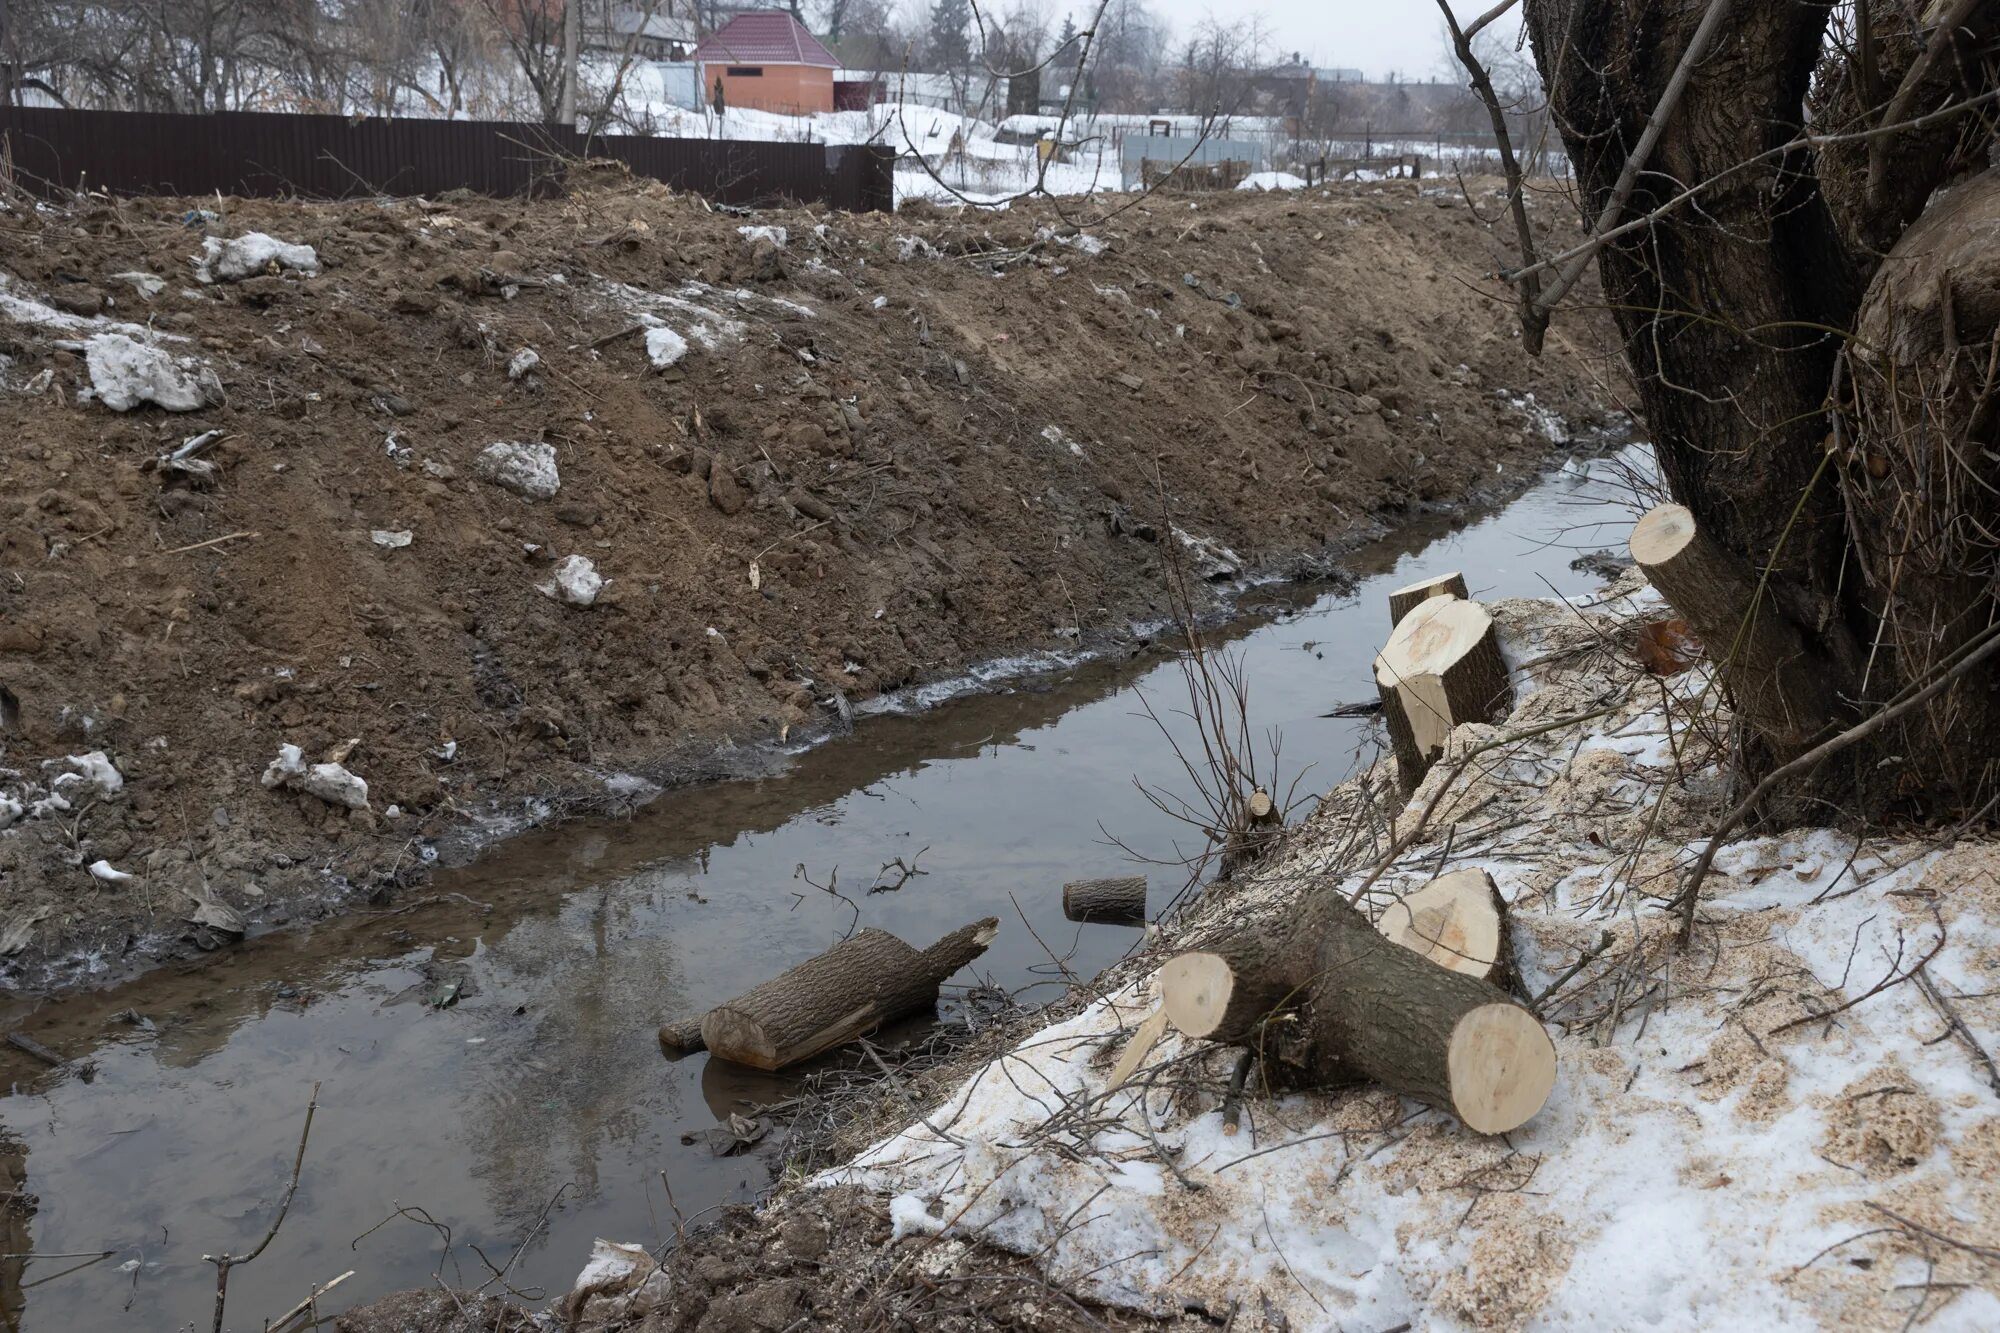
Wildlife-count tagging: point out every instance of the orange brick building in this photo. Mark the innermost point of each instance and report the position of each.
(766, 61)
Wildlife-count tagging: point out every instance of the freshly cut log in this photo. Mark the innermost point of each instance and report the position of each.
(1406, 598)
(678, 1039)
(1116, 901)
(1227, 989)
(1456, 1042)
(1714, 591)
(1440, 667)
(1261, 810)
(1370, 1008)
(1458, 921)
(860, 983)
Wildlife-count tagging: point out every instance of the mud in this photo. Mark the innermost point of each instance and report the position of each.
(895, 447)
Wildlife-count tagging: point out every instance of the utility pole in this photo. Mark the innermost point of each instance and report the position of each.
(572, 33)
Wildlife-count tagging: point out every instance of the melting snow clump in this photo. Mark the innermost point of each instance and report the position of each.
(125, 373)
(664, 347)
(576, 581)
(330, 782)
(250, 254)
(775, 235)
(525, 469)
(524, 361)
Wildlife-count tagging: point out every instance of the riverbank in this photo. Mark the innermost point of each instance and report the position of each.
(1789, 1125)
(810, 457)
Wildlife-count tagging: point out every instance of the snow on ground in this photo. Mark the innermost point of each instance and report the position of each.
(1727, 1146)
(1271, 180)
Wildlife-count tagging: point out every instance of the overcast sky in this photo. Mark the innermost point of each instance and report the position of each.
(1372, 35)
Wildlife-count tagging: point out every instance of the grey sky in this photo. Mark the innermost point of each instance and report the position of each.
(1373, 35)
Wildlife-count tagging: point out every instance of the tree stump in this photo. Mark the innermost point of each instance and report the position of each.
(1440, 667)
(1458, 921)
(1119, 900)
(860, 983)
(1407, 598)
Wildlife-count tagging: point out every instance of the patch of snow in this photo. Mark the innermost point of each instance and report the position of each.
(394, 540)
(525, 469)
(575, 581)
(523, 361)
(1271, 180)
(96, 769)
(775, 235)
(108, 873)
(126, 373)
(332, 783)
(664, 347)
(250, 254)
(914, 247)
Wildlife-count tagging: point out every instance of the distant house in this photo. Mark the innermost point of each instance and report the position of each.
(767, 61)
(653, 36)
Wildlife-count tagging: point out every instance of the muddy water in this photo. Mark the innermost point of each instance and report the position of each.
(540, 1093)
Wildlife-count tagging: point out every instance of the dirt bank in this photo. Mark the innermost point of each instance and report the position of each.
(822, 459)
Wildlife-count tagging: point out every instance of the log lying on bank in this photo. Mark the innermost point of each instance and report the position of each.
(1408, 597)
(1440, 667)
(1763, 656)
(1458, 921)
(1119, 900)
(1370, 1008)
(864, 981)
(684, 1038)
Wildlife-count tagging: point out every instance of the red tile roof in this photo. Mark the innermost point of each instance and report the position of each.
(763, 37)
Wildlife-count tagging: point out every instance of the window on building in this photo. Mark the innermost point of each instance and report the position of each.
(746, 71)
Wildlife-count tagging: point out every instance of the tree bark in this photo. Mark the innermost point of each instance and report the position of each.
(848, 991)
(1735, 310)
(1116, 901)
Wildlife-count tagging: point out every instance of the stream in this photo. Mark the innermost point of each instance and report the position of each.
(538, 1104)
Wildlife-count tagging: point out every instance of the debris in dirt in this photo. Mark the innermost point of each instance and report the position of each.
(619, 1284)
(395, 539)
(576, 581)
(11, 811)
(525, 360)
(185, 464)
(330, 782)
(125, 374)
(664, 347)
(146, 284)
(1212, 560)
(777, 236)
(250, 254)
(526, 469)
(1214, 293)
(108, 873)
(214, 913)
(1667, 647)
(915, 247)
(94, 768)
(1056, 435)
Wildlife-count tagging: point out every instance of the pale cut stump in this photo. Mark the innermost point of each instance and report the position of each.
(1441, 667)
(1408, 597)
(1458, 921)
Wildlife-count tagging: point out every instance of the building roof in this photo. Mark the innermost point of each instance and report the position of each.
(763, 37)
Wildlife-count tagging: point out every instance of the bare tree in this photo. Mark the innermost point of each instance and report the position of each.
(1814, 332)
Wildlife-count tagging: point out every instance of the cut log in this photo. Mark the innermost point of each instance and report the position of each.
(1458, 921)
(679, 1039)
(1262, 811)
(1370, 1008)
(848, 991)
(1462, 1044)
(1226, 990)
(1406, 598)
(1117, 901)
(1762, 658)
(1440, 667)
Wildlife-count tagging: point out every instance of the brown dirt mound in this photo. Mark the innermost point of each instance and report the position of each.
(895, 446)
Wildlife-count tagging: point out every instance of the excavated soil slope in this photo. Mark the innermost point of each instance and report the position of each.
(894, 446)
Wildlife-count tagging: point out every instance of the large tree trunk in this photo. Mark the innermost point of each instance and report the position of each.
(1735, 312)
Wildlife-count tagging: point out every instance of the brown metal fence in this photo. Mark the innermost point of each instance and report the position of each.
(333, 157)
